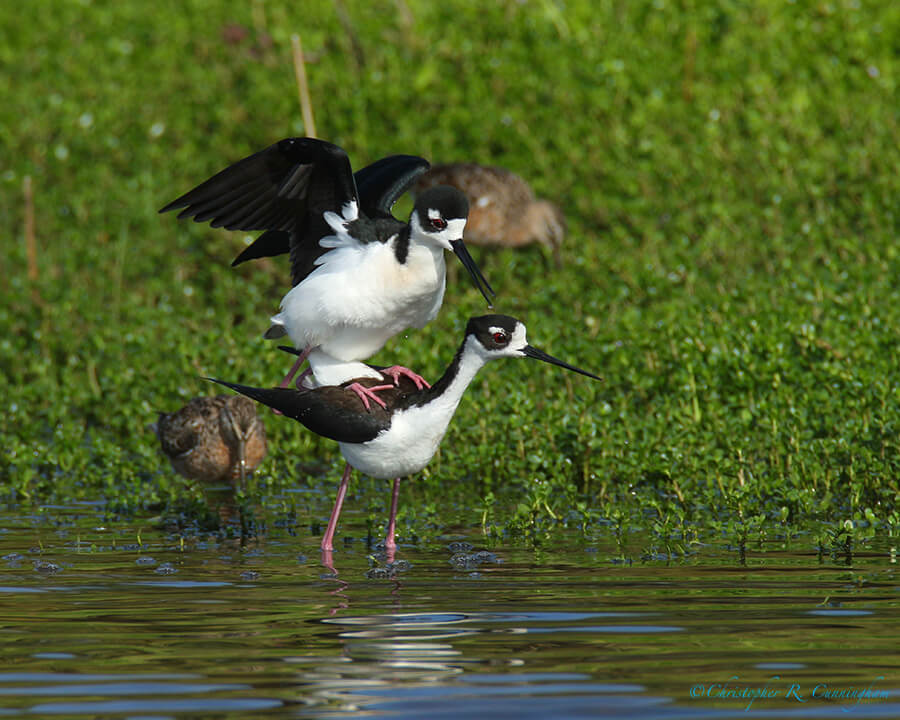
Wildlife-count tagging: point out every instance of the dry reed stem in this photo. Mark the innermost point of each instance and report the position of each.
(309, 123)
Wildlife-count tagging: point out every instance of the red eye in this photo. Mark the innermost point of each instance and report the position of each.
(500, 338)
(438, 223)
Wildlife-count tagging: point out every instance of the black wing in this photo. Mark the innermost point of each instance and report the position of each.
(383, 182)
(275, 189)
(379, 186)
(285, 188)
(269, 244)
(329, 411)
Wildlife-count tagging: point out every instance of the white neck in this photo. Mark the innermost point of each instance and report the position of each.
(416, 432)
(441, 408)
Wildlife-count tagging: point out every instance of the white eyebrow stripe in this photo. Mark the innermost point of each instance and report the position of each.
(455, 227)
(518, 339)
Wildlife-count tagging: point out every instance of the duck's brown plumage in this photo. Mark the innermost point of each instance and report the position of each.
(503, 209)
(207, 437)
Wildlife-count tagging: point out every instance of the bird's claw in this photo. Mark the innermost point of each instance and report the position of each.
(365, 394)
(396, 371)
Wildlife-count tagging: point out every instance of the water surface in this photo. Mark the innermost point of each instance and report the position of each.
(134, 622)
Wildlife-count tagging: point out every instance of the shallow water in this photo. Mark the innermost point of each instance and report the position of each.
(137, 623)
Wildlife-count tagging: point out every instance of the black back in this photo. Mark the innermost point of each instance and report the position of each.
(331, 411)
(338, 413)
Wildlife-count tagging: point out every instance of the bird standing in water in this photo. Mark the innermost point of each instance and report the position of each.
(359, 275)
(401, 437)
(503, 209)
(214, 439)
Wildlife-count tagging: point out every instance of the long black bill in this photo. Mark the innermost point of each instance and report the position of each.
(533, 352)
(478, 280)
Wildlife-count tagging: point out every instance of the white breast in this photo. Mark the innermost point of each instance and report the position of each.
(360, 297)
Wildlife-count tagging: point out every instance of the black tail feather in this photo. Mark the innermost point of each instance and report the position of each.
(286, 400)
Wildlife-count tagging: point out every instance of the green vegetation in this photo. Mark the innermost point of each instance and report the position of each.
(728, 171)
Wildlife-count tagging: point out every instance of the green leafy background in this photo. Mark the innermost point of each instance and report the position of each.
(728, 171)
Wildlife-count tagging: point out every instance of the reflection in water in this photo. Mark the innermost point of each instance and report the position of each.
(343, 601)
(244, 629)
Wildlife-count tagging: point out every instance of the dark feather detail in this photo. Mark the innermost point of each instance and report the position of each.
(299, 175)
(269, 244)
(382, 183)
(285, 188)
(401, 245)
(331, 411)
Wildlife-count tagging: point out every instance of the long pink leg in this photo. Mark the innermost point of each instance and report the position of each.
(336, 511)
(293, 371)
(396, 371)
(390, 546)
(366, 394)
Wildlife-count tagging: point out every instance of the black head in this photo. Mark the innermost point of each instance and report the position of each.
(439, 217)
(504, 336)
(438, 206)
(495, 333)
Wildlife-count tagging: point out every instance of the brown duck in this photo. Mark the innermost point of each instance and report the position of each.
(213, 439)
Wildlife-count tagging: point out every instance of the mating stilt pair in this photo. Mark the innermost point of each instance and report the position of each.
(360, 276)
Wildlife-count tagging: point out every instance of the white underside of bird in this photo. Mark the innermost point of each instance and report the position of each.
(358, 298)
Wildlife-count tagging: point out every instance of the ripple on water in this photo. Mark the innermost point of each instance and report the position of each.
(186, 705)
(543, 634)
(153, 693)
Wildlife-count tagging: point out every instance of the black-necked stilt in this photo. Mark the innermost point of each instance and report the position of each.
(401, 438)
(213, 439)
(359, 275)
(503, 209)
